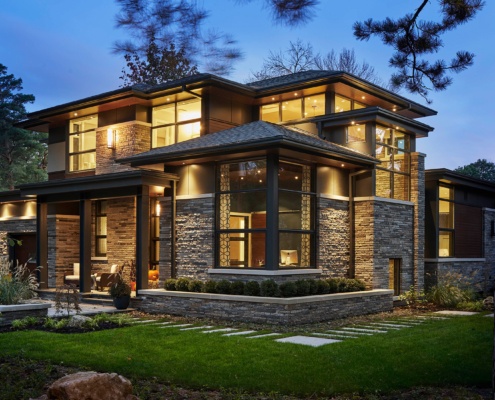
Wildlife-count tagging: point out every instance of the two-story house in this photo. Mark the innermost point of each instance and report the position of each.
(306, 175)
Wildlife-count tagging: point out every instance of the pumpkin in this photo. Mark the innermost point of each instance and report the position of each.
(153, 275)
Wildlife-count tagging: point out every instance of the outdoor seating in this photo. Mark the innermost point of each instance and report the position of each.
(106, 279)
(73, 279)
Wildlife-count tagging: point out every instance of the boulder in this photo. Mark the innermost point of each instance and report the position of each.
(488, 303)
(77, 321)
(91, 386)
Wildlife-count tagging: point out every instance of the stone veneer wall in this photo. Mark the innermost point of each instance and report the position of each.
(132, 138)
(478, 273)
(418, 198)
(291, 311)
(195, 237)
(383, 230)
(63, 247)
(333, 238)
(14, 225)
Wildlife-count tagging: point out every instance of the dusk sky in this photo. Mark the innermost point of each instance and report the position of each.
(62, 51)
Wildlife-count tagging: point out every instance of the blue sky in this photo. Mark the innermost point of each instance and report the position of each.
(62, 51)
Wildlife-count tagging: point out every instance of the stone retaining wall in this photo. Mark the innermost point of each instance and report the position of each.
(19, 311)
(280, 311)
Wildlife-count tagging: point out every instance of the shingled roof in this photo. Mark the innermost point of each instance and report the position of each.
(256, 133)
(290, 79)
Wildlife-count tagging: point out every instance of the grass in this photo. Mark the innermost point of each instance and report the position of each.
(437, 353)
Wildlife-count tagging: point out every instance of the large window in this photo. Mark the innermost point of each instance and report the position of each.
(393, 173)
(345, 104)
(176, 122)
(101, 228)
(244, 215)
(82, 143)
(292, 110)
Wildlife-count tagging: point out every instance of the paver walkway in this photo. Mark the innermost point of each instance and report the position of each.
(314, 339)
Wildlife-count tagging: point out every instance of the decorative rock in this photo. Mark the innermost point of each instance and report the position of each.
(77, 321)
(91, 386)
(488, 303)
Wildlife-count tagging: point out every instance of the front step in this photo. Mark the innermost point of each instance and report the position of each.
(98, 299)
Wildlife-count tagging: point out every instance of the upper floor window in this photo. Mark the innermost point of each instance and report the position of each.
(345, 104)
(445, 221)
(393, 173)
(176, 122)
(292, 110)
(82, 143)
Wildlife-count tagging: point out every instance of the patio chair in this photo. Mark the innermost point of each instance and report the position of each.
(73, 279)
(107, 278)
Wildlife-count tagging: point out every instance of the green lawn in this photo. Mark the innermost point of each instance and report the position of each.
(437, 353)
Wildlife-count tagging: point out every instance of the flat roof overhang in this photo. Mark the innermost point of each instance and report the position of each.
(259, 148)
(98, 186)
(455, 178)
(373, 114)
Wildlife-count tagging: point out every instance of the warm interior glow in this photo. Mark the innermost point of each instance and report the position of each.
(111, 138)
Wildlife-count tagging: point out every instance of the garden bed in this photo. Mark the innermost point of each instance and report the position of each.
(282, 311)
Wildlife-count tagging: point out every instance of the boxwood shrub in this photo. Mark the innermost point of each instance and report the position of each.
(268, 288)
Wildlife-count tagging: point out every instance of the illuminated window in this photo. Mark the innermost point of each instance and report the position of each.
(445, 221)
(176, 122)
(393, 173)
(101, 228)
(82, 143)
(356, 133)
(345, 104)
(293, 110)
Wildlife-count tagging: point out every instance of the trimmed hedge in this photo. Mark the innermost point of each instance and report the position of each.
(267, 288)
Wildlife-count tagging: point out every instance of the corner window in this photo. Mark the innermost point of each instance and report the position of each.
(345, 104)
(101, 228)
(293, 110)
(393, 173)
(176, 122)
(356, 133)
(82, 143)
(243, 215)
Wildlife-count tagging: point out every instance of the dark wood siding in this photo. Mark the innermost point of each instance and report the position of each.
(468, 231)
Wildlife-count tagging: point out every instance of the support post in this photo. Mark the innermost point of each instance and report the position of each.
(85, 246)
(142, 237)
(272, 237)
(42, 242)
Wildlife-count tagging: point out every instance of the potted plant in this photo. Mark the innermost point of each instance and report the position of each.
(120, 291)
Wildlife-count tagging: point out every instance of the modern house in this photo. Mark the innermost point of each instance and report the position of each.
(460, 229)
(313, 174)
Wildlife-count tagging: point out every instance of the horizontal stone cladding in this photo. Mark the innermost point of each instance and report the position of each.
(293, 311)
(63, 247)
(286, 277)
(383, 231)
(16, 225)
(195, 227)
(418, 198)
(165, 262)
(478, 274)
(132, 138)
(333, 240)
(6, 317)
(121, 233)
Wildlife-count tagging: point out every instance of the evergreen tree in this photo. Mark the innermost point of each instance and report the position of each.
(481, 169)
(22, 155)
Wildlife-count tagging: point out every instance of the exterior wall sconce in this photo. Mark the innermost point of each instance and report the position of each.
(157, 209)
(111, 138)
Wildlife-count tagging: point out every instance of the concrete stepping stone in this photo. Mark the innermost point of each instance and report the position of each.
(430, 317)
(165, 323)
(239, 333)
(411, 321)
(175, 326)
(197, 327)
(335, 335)
(358, 329)
(220, 330)
(263, 335)
(455, 313)
(307, 340)
(350, 333)
(394, 327)
(489, 315)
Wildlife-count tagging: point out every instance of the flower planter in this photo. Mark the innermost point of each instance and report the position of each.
(122, 302)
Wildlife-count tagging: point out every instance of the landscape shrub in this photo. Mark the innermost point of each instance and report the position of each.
(303, 287)
(210, 287)
(350, 285)
(288, 289)
(252, 288)
(322, 286)
(333, 285)
(269, 288)
(238, 287)
(16, 283)
(313, 286)
(182, 284)
(67, 298)
(474, 306)
(224, 286)
(170, 284)
(195, 285)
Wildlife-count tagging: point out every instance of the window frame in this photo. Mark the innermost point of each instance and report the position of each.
(99, 214)
(304, 113)
(176, 125)
(450, 231)
(71, 154)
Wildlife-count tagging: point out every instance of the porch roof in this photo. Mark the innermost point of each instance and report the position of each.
(116, 184)
(251, 137)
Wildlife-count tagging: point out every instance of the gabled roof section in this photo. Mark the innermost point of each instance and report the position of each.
(258, 134)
